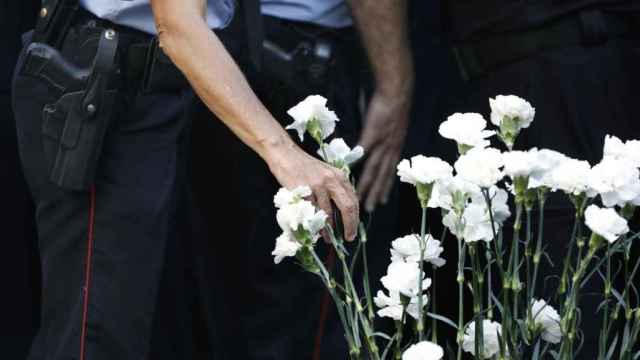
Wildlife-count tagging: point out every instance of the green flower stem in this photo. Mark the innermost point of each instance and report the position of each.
(627, 352)
(354, 351)
(434, 308)
(434, 324)
(564, 278)
(513, 270)
(604, 332)
(506, 314)
(359, 309)
(528, 254)
(569, 317)
(366, 282)
(538, 253)
(477, 299)
(423, 232)
(487, 255)
(460, 280)
(399, 332)
(627, 278)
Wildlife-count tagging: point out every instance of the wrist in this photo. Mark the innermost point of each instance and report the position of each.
(274, 149)
(398, 84)
(399, 89)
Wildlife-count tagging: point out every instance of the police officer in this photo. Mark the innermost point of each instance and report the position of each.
(576, 62)
(310, 47)
(101, 135)
(18, 258)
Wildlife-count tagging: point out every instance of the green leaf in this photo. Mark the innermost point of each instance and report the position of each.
(612, 348)
(536, 351)
(382, 335)
(443, 319)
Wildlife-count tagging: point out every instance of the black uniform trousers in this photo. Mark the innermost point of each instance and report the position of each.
(581, 93)
(116, 258)
(276, 311)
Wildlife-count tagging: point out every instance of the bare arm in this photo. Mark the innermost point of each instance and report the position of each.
(196, 50)
(382, 25)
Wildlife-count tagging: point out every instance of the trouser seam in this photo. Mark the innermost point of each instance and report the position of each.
(88, 263)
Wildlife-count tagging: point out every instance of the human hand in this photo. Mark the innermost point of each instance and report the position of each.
(292, 167)
(382, 137)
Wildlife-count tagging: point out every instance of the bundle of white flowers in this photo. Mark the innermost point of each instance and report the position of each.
(486, 193)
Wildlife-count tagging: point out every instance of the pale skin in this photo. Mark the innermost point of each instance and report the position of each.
(382, 25)
(199, 54)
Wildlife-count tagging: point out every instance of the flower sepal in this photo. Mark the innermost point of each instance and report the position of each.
(424, 193)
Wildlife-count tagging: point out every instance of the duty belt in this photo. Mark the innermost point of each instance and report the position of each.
(589, 28)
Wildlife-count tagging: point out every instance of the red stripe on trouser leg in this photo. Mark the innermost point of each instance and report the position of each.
(87, 275)
(324, 309)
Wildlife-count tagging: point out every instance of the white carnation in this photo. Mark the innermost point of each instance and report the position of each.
(546, 161)
(491, 333)
(475, 222)
(511, 107)
(299, 216)
(407, 248)
(424, 350)
(286, 197)
(630, 150)
(520, 163)
(404, 277)
(391, 306)
(571, 176)
(481, 167)
(423, 170)
(312, 115)
(466, 129)
(605, 222)
(617, 181)
(453, 192)
(339, 154)
(548, 319)
(285, 247)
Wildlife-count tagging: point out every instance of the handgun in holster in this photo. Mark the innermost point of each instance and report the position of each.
(305, 69)
(74, 127)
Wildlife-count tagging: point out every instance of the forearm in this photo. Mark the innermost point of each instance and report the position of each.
(383, 27)
(217, 80)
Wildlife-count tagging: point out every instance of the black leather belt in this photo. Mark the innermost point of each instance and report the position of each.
(588, 28)
(146, 68)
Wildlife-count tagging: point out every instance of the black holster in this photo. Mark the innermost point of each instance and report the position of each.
(74, 126)
(305, 68)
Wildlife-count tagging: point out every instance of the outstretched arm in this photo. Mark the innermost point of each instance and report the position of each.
(196, 50)
(382, 25)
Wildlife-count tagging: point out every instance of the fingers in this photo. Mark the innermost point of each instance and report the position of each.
(346, 200)
(323, 201)
(377, 189)
(390, 180)
(369, 172)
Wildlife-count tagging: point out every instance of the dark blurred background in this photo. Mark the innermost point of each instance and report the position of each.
(19, 270)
